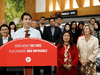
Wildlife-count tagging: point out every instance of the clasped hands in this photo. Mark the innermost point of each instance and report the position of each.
(69, 66)
(84, 63)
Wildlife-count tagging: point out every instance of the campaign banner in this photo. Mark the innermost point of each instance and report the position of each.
(28, 52)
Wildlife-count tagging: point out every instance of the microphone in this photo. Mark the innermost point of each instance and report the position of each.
(28, 35)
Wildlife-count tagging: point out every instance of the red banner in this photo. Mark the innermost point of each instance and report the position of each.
(28, 52)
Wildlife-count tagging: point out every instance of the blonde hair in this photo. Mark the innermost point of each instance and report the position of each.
(90, 27)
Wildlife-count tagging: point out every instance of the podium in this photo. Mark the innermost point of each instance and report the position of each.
(28, 52)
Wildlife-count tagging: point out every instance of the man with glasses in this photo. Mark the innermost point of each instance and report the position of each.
(5, 38)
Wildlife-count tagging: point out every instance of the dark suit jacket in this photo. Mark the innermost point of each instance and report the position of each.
(38, 28)
(1, 41)
(48, 34)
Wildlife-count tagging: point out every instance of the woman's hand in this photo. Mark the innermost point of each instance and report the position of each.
(85, 63)
(69, 66)
(65, 66)
(81, 62)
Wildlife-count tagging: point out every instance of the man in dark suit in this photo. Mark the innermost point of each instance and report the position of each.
(4, 33)
(52, 34)
(42, 26)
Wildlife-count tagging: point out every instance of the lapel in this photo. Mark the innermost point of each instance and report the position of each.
(1, 41)
(49, 30)
(88, 42)
(55, 31)
(38, 27)
(9, 39)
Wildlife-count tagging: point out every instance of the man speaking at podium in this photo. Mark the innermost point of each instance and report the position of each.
(27, 31)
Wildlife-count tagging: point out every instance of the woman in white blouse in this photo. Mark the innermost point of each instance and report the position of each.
(12, 28)
(88, 50)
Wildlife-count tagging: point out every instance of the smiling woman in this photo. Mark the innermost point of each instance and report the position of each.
(67, 53)
(88, 49)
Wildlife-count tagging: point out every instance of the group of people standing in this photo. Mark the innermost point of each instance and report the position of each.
(77, 47)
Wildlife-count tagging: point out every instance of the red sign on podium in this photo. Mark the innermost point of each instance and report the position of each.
(28, 52)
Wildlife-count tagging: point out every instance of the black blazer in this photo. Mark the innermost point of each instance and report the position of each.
(48, 34)
(1, 41)
(38, 28)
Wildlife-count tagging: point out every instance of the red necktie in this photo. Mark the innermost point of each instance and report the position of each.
(26, 34)
(28, 70)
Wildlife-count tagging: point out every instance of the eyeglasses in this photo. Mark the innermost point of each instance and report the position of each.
(4, 29)
(42, 20)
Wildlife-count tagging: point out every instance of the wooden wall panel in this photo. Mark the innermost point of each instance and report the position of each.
(47, 5)
(82, 11)
(93, 10)
(63, 5)
(30, 7)
(71, 4)
(54, 5)
(2, 10)
(91, 2)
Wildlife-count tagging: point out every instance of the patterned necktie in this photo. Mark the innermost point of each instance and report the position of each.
(26, 34)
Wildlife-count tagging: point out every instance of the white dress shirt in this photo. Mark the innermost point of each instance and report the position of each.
(32, 33)
(42, 28)
(12, 33)
(4, 40)
(61, 26)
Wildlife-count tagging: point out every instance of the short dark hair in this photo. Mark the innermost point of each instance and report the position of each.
(72, 24)
(59, 17)
(42, 17)
(81, 22)
(12, 23)
(65, 26)
(51, 18)
(4, 25)
(25, 14)
(62, 41)
(93, 18)
(34, 20)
